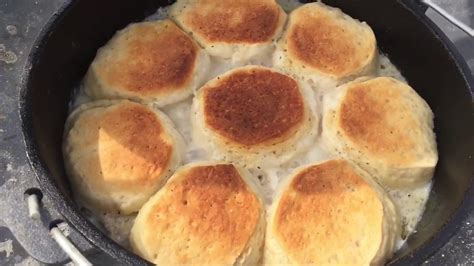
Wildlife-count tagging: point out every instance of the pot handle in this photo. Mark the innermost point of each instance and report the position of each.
(64, 243)
(461, 25)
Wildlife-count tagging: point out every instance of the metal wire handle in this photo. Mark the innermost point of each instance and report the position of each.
(461, 25)
(63, 242)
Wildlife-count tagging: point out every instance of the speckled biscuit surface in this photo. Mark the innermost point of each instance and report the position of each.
(384, 126)
(330, 214)
(237, 29)
(207, 214)
(118, 153)
(148, 61)
(322, 44)
(253, 115)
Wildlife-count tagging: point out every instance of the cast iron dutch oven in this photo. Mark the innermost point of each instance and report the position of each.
(431, 64)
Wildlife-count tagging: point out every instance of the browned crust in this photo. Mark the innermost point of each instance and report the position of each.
(153, 60)
(236, 21)
(329, 211)
(254, 106)
(373, 116)
(211, 207)
(318, 41)
(130, 149)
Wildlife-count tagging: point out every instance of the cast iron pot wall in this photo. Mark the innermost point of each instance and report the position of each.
(68, 43)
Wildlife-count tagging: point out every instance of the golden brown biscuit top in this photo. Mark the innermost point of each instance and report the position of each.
(125, 146)
(254, 106)
(329, 215)
(235, 21)
(375, 116)
(154, 58)
(322, 41)
(207, 214)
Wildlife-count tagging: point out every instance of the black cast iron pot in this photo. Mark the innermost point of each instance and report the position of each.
(67, 45)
